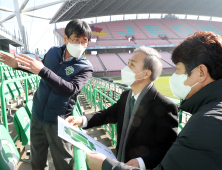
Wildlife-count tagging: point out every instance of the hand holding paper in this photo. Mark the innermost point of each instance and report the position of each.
(75, 120)
(81, 140)
(95, 160)
(133, 162)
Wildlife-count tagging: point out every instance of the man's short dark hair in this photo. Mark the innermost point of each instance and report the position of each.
(78, 27)
(201, 48)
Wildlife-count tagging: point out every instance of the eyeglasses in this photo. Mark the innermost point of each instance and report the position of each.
(76, 41)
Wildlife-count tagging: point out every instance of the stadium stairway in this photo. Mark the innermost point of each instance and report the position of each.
(101, 62)
(120, 58)
(140, 30)
(109, 31)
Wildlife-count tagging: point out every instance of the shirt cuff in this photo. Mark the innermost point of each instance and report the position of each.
(141, 163)
(85, 122)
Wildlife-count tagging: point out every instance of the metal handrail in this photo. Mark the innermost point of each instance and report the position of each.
(79, 155)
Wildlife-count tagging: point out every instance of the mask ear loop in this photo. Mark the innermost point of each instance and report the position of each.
(197, 82)
(194, 84)
(139, 73)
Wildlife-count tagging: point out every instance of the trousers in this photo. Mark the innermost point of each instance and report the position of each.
(45, 136)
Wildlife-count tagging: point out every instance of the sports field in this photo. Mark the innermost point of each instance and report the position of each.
(162, 85)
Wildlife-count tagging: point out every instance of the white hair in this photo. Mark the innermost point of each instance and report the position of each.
(152, 61)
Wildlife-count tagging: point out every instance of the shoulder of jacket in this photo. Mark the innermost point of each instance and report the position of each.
(164, 99)
(126, 92)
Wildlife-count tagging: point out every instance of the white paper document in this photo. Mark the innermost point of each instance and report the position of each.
(81, 140)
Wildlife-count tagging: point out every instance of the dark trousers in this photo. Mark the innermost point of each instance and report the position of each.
(44, 136)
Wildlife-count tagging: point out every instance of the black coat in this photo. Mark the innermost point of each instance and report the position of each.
(199, 144)
(153, 131)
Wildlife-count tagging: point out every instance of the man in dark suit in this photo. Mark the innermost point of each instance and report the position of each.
(147, 121)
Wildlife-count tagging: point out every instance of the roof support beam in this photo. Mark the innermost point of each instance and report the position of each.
(214, 10)
(24, 4)
(77, 8)
(88, 7)
(117, 5)
(64, 10)
(144, 4)
(8, 18)
(43, 6)
(170, 4)
(131, 4)
(157, 4)
(105, 5)
(37, 16)
(6, 9)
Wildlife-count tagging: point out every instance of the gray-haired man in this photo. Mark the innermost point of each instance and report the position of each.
(147, 121)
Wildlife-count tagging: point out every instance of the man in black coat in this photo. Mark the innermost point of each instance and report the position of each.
(147, 128)
(198, 80)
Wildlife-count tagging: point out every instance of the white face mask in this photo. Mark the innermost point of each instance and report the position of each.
(75, 50)
(128, 76)
(177, 85)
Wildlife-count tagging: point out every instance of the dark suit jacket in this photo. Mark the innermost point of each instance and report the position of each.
(153, 131)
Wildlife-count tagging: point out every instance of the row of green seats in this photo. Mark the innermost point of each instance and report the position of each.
(9, 155)
(98, 97)
(14, 90)
(13, 87)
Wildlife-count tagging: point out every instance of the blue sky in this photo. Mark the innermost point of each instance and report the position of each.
(35, 27)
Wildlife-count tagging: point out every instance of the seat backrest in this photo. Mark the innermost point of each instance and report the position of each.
(8, 95)
(31, 84)
(28, 108)
(9, 155)
(20, 74)
(11, 86)
(22, 125)
(17, 83)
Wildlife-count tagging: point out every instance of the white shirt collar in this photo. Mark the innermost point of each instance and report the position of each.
(135, 96)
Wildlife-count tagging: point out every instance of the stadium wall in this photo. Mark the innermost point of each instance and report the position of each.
(125, 50)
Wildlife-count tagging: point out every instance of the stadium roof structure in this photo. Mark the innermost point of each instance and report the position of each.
(6, 39)
(78, 9)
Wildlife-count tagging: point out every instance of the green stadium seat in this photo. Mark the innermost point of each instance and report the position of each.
(9, 155)
(17, 84)
(22, 125)
(11, 86)
(28, 108)
(31, 85)
(20, 74)
(8, 95)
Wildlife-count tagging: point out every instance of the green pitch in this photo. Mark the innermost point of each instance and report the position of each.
(162, 85)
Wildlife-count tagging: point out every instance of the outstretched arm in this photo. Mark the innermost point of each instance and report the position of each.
(60, 85)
